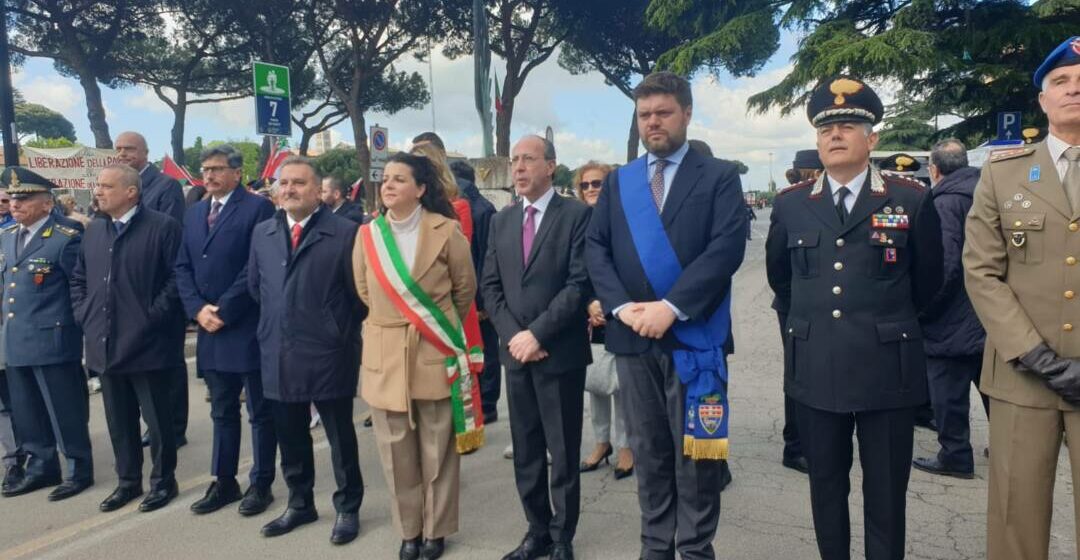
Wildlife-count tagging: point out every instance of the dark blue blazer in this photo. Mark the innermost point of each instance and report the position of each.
(310, 315)
(705, 220)
(211, 268)
(162, 193)
(123, 291)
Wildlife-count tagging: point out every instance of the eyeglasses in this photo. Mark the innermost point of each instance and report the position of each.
(215, 169)
(596, 184)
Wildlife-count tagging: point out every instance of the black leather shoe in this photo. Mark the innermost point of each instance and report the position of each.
(433, 548)
(926, 422)
(120, 498)
(797, 464)
(255, 501)
(159, 497)
(725, 476)
(410, 549)
(531, 547)
(291, 519)
(31, 483)
(14, 475)
(181, 441)
(220, 494)
(346, 528)
(491, 417)
(623, 473)
(933, 466)
(562, 551)
(69, 488)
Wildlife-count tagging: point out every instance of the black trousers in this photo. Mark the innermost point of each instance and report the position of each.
(51, 407)
(178, 396)
(291, 422)
(125, 396)
(491, 377)
(13, 454)
(679, 497)
(792, 443)
(950, 382)
(225, 390)
(885, 444)
(546, 413)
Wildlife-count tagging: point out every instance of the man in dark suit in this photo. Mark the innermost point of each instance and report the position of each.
(160, 193)
(536, 288)
(49, 399)
(123, 291)
(309, 338)
(854, 256)
(335, 195)
(211, 276)
(701, 212)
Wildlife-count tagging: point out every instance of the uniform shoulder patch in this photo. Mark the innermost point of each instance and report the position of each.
(797, 186)
(905, 182)
(70, 232)
(1002, 155)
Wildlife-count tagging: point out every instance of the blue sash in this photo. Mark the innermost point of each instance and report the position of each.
(700, 361)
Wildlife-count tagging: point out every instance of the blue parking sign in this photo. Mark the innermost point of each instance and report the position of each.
(272, 115)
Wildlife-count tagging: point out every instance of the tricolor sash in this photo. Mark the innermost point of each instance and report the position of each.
(700, 360)
(446, 335)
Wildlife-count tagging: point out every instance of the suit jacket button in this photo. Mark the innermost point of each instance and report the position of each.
(839, 242)
(836, 314)
(1067, 327)
(838, 266)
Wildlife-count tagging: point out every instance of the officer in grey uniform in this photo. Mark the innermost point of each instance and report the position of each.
(49, 398)
(854, 256)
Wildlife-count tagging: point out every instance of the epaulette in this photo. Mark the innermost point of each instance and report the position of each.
(795, 187)
(1002, 155)
(70, 232)
(904, 182)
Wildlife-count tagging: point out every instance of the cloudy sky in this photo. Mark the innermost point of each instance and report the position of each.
(590, 119)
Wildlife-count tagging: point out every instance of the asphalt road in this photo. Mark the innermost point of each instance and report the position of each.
(765, 512)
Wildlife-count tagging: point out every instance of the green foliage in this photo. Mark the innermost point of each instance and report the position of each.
(964, 58)
(736, 36)
(192, 154)
(46, 143)
(340, 163)
(740, 166)
(563, 176)
(42, 122)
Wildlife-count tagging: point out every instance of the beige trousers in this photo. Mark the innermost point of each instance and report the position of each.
(1024, 447)
(422, 468)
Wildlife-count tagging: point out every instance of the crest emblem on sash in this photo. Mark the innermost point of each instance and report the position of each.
(710, 414)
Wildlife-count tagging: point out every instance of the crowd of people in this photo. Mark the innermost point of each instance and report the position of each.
(889, 296)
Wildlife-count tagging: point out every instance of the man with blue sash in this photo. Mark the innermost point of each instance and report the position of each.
(666, 238)
(854, 257)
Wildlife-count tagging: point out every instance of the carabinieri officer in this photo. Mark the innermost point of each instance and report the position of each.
(49, 398)
(853, 257)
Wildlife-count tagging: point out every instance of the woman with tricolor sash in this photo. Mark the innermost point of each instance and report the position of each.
(414, 271)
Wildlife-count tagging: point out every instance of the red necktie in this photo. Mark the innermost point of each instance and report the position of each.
(297, 229)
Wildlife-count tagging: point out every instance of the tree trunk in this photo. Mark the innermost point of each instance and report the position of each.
(179, 117)
(634, 139)
(306, 134)
(95, 111)
(502, 128)
(363, 154)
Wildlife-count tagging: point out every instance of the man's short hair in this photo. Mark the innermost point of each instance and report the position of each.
(129, 177)
(301, 160)
(949, 155)
(430, 137)
(700, 147)
(233, 157)
(337, 184)
(463, 170)
(665, 83)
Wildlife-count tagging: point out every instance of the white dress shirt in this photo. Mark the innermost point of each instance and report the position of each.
(855, 186)
(1057, 148)
(123, 220)
(223, 200)
(541, 205)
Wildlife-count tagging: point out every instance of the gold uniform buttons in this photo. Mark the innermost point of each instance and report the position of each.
(1069, 294)
(1070, 260)
(1067, 327)
(838, 266)
(836, 314)
(837, 290)
(1018, 223)
(839, 242)
(1074, 227)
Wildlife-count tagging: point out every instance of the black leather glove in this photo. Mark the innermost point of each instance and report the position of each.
(1060, 374)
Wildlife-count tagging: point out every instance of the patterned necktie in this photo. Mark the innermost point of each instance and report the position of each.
(215, 209)
(1072, 177)
(841, 208)
(297, 229)
(657, 184)
(528, 233)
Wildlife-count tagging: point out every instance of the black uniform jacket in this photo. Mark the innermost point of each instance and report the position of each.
(853, 292)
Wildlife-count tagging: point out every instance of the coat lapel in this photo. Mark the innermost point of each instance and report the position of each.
(868, 202)
(36, 241)
(686, 177)
(551, 215)
(314, 235)
(432, 237)
(1049, 186)
(820, 203)
(234, 203)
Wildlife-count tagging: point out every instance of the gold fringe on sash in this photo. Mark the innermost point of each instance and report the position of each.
(470, 441)
(709, 449)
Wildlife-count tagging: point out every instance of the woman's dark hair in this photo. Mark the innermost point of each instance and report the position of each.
(434, 198)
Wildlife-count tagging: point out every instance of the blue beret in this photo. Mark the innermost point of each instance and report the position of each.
(1066, 54)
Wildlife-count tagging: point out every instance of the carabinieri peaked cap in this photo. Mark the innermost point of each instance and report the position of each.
(844, 99)
(807, 159)
(20, 182)
(1066, 54)
(900, 163)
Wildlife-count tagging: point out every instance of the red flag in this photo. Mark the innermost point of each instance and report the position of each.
(273, 165)
(178, 172)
